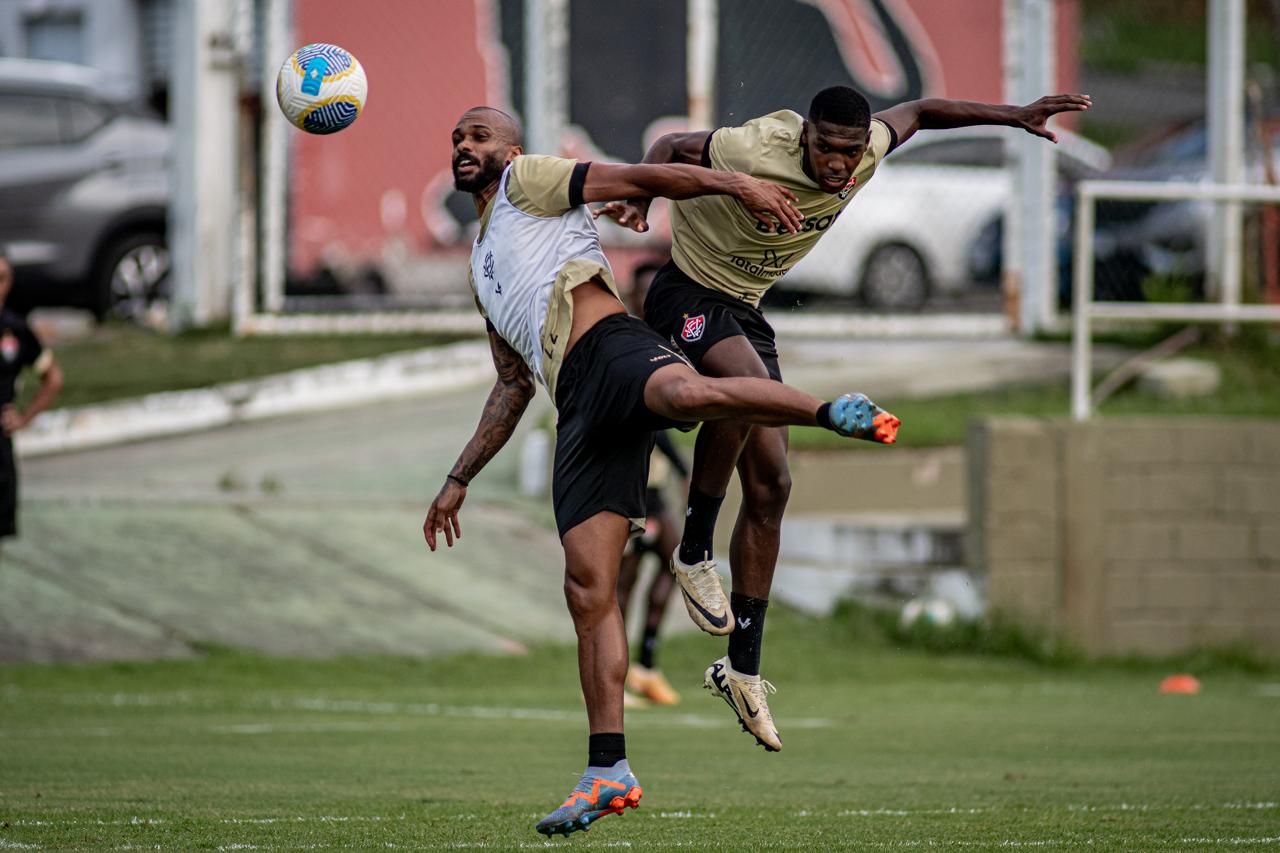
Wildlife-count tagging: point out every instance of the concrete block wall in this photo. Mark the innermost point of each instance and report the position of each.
(1131, 535)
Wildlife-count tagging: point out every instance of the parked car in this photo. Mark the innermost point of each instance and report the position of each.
(84, 192)
(1135, 239)
(1118, 269)
(909, 232)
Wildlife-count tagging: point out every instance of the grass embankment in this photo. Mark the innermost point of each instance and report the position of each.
(1250, 388)
(119, 361)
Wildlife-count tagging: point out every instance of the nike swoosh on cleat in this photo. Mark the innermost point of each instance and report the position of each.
(750, 713)
(717, 621)
(718, 676)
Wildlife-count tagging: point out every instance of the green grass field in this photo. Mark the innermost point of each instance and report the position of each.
(1250, 388)
(884, 749)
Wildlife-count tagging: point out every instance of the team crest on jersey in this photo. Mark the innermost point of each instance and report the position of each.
(9, 346)
(488, 265)
(693, 328)
(848, 188)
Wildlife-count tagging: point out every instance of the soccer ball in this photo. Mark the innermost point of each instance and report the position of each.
(934, 612)
(321, 88)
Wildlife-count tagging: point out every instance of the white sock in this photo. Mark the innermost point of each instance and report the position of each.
(621, 767)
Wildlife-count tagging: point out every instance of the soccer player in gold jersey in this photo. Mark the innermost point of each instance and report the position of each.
(706, 299)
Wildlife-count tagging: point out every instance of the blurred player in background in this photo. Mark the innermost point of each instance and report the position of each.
(19, 349)
(542, 282)
(660, 537)
(707, 301)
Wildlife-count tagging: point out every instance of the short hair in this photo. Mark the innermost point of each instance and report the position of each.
(507, 123)
(840, 105)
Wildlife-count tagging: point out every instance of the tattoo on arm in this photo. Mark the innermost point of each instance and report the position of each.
(502, 411)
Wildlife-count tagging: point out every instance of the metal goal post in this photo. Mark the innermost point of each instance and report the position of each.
(1085, 310)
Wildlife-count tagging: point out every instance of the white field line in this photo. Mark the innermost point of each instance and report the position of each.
(237, 729)
(302, 728)
(1272, 839)
(483, 712)
(426, 709)
(759, 844)
(688, 814)
(251, 821)
(903, 844)
(315, 819)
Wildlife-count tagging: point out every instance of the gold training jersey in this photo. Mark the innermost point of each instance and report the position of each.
(716, 242)
(536, 243)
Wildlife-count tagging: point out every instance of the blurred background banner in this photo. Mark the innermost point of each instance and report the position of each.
(146, 172)
(369, 206)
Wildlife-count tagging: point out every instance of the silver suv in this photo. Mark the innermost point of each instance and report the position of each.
(84, 190)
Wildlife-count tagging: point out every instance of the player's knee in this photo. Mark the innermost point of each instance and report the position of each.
(765, 494)
(588, 602)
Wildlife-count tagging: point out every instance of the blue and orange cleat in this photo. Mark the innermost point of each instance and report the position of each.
(854, 415)
(595, 796)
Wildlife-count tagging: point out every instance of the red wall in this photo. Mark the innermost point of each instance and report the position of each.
(424, 71)
(429, 60)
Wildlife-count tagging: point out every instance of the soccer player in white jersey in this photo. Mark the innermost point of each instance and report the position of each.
(554, 316)
(706, 299)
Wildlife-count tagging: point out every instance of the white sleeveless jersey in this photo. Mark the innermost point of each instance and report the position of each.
(524, 264)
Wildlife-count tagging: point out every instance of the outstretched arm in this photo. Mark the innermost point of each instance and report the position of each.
(763, 200)
(937, 113)
(502, 411)
(684, 148)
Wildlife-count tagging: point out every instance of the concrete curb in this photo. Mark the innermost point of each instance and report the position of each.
(422, 372)
(888, 326)
(791, 324)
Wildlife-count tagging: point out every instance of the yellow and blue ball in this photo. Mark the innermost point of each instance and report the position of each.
(321, 88)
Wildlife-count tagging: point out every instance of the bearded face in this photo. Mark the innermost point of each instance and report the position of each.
(472, 172)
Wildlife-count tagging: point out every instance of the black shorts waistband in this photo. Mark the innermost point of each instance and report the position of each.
(578, 357)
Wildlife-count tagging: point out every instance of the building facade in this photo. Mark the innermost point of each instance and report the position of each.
(128, 41)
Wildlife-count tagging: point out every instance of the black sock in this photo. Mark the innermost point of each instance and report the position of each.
(824, 417)
(606, 749)
(648, 647)
(699, 526)
(744, 642)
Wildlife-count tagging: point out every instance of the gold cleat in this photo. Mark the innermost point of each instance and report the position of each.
(746, 695)
(703, 595)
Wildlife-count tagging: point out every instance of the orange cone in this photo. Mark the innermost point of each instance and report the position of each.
(1181, 683)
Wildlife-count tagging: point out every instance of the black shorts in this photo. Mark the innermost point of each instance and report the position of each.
(604, 434)
(8, 488)
(696, 317)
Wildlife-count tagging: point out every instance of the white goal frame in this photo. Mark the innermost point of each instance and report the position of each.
(1085, 309)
